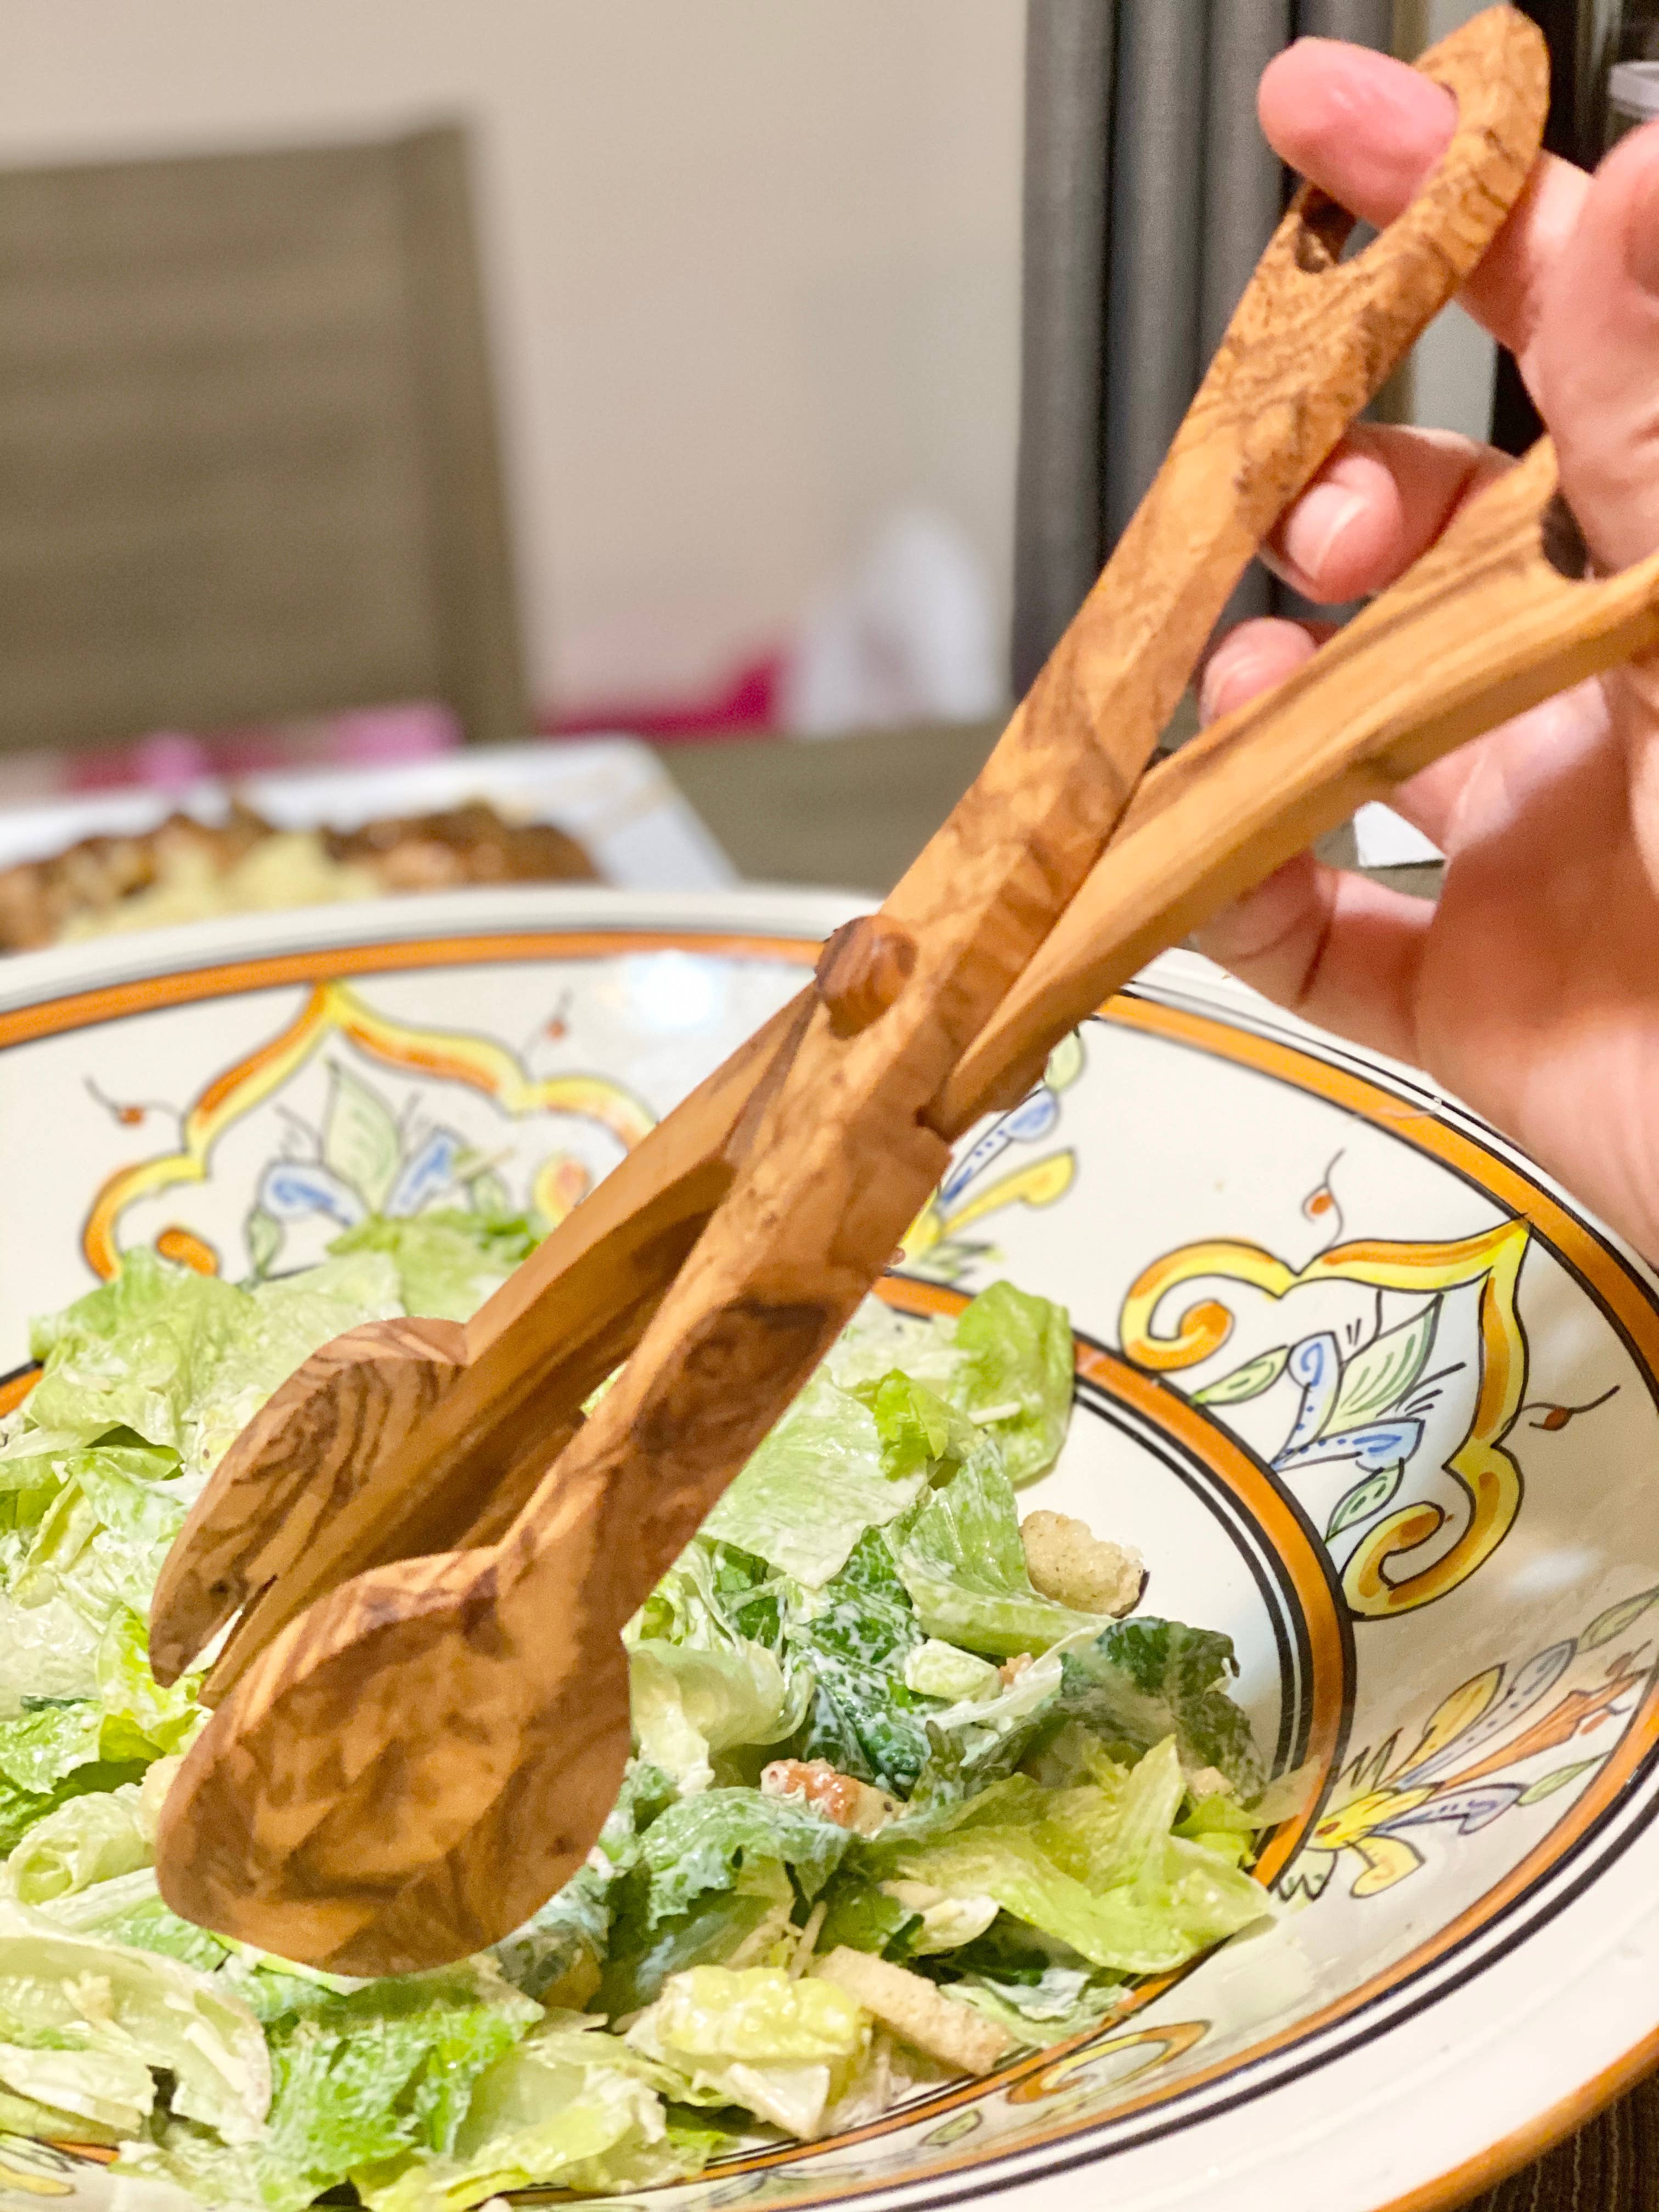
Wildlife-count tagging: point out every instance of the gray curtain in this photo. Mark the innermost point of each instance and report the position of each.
(1149, 196)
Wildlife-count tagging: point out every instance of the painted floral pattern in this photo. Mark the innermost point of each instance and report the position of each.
(1506, 1739)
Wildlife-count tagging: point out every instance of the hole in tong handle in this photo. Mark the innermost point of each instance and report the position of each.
(1562, 541)
(1324, 233)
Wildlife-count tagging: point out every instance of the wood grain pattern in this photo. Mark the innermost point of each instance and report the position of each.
(412, 1766)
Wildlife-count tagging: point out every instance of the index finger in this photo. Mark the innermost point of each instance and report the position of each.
(1367, 129)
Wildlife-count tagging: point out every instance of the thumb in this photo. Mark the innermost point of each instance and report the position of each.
(1596, 363)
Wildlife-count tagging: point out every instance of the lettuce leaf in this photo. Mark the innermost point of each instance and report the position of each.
(114, 2090)
(49, 1649)
(133, 1354)
(855, 1647)
(557, 1955)
(128, 1909)
(716, 1597)
(863, 1917)
(813, 1487)
(58, 1752)
(1095, 1866)
(1005, 1364)
(962, 1563)
(565, 2109)
(63, 1991)
(700, 1843)
(1138, 1928)
(100, 1545)
(364, 2078)
(87, 1840)
(561, 1947)
(689, 1704)
(183, 1360)
(1143, 1679)
(755, 2038)
(1014, 1376)
(448, 1261)
(748, 1924)
(1051, 2007)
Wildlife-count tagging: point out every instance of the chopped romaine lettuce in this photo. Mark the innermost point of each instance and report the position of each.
(91, 1838)
(577, 2109)
(747, 1926)
(1014, 1376)
(689, 1703)
(114, 2089)
(852, 1647)
(448, 1261)
(699, 1844)
(1097, 1866)
(963, 1564)
(183, 1360)
(813, 1487)
(865, 1915)
(755, 2038)
(1051, 2007)
(46, 1650)
(1141, 1680)
(1037, 1840)
(1005, 1363)
(65, 1992)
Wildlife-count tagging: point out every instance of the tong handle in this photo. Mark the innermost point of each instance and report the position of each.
(1497, 616)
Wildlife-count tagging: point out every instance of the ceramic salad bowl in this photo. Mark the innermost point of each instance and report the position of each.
(1366, 1389)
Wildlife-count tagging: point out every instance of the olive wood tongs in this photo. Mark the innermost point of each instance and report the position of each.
(422, 1710)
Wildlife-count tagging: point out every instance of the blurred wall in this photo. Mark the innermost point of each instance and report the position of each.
(754, 265)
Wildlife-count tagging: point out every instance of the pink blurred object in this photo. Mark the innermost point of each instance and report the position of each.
(172, 760)
(745, 706)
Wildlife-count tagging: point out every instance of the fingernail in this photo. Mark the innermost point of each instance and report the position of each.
(1316, 522)
(1641, 236)
(1235, 672)
(1212, 683)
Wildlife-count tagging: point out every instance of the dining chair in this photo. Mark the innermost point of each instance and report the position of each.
(248, 458)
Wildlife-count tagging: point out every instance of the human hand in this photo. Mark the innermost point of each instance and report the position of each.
(1532, 989)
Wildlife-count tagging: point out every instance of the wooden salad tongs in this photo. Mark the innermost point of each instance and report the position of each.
(422, 1712)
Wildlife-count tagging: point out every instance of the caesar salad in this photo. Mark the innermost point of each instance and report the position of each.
(918, 1782)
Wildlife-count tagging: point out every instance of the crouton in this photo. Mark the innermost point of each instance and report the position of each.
(945, 2027)
(1071, 1564)
(840, 1797)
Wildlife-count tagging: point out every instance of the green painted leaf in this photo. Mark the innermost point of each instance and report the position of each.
(1616, 1620)
(1364, 1500)
(1548, 1784)
(1065, 1063)
(360, 1138)
(263, 1235)
(1248, 1380)
(487, 1194)
(1381, 1372)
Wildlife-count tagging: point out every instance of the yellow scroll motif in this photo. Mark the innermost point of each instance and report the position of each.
(1487, 1471)
(1039, 1183)
(1168, 2040)
(333, 1010)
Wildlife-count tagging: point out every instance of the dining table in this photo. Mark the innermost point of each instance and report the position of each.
(852, 812)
